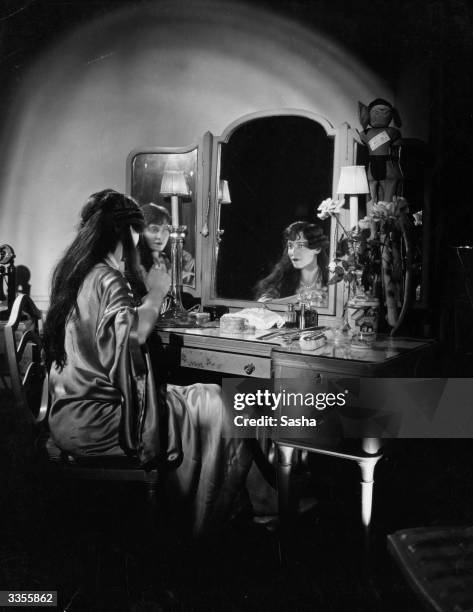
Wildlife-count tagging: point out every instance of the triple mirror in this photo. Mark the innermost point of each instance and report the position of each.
(246, 186)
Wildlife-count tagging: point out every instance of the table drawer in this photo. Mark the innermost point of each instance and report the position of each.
(230, 363)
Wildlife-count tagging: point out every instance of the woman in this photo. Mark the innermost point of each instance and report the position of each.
(302, 269)
(104, 401)
(154, 246)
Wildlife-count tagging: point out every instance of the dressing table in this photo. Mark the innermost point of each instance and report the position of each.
(245, 355)
(276, 167)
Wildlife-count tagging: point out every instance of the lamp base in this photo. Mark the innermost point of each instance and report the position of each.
(175, 316)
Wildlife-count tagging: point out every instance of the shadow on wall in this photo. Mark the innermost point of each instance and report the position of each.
(159, 75)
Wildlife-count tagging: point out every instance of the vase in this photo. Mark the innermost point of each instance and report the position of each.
(363, 313)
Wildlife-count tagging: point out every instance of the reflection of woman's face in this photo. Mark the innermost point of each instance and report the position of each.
(300, 254)
(156, 236)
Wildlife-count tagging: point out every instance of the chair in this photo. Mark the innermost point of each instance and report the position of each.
(438, 564)
(29, 380)
(29, 384)
(26, 369)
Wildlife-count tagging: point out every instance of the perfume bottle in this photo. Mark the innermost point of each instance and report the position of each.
(311, 315)
(290, 316)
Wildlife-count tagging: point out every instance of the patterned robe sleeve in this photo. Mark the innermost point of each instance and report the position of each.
(128, 366)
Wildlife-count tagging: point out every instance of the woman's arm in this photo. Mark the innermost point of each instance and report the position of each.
(290, 299)
(158, 282)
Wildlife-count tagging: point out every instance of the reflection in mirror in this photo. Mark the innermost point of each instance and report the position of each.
(301, 274)
(278, 169)
(147, 172)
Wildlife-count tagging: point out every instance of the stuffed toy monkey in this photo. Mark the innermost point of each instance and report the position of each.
(383, 142)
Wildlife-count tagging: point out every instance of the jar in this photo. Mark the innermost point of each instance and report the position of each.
(363, 313)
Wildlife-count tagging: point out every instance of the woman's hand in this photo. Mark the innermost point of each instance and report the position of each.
(158, 281)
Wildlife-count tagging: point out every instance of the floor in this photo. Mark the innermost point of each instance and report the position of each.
(95, 548)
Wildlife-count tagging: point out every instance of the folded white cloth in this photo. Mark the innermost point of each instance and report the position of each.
(261, 318)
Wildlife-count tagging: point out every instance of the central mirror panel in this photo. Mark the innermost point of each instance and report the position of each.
(278, 169)
(145, 169)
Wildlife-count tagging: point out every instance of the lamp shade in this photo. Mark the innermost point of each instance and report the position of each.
(174, 183)
(352, 180)
(223, 192)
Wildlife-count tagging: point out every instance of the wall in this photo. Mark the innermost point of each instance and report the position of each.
(157, 75)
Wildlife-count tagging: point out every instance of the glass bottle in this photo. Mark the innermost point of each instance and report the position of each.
(302, 316)
(311, 315)
(290, 316)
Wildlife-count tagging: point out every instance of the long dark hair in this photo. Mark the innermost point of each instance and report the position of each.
(157, 215)
(284, 279)
(106, 219)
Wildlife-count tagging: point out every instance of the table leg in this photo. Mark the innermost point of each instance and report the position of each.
(285, 501)
(371, 445)
(367, 466)
(285, 454)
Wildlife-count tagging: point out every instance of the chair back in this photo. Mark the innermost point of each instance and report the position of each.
(25, 358)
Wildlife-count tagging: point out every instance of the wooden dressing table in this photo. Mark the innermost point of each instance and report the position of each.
(246, 355)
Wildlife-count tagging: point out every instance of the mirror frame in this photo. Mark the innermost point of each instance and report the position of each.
(344, 154)
(201, 184)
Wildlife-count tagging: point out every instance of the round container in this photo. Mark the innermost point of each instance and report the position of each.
(231, 324)
(200, 317)
(309, 343)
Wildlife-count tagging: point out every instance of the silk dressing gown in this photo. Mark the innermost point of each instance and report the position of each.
(105, 402)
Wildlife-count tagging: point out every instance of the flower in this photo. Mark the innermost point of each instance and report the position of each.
(329, 208)
(417, 217)
(390, 210)
(365, 223)
(339, 269)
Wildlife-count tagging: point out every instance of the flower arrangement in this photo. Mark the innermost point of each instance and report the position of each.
(356, 259)
(375, 259)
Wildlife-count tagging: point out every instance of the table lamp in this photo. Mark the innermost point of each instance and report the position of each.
(353, 182)
(174, 184)
(223, 198)
(223, 192)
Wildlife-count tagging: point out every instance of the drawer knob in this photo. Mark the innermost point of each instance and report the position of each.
(249, 368)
